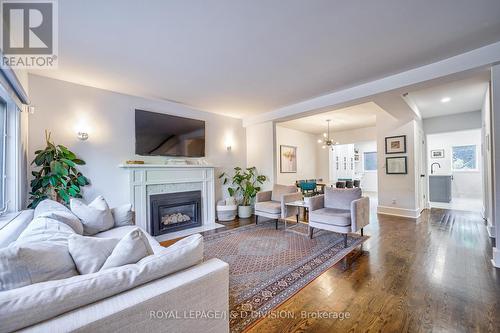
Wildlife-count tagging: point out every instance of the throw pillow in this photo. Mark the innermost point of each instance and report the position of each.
(96, 216)
(130, 249)
(90, 253)
(25, 264)
(123, 215)
(46, 229)
(57, 211)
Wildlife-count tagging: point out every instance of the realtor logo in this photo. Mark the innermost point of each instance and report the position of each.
(29, 33)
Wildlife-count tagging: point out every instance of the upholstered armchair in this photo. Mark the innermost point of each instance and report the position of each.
(272, 204)
(339, 210)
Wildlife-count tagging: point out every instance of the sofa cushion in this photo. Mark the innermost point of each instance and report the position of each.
(130, 249)
(28, 263)
(333, 216)
(57, 211)
(48, 299)
(123, 215)
(341, 198)
(279, 190)
(272, 207)
(90, 253)
(96, 216)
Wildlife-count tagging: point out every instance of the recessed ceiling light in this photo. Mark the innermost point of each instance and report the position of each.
(445, 99)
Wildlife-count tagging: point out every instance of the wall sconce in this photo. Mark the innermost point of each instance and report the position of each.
(82, 136)
(229, 144)
(228, 141)
(82, 129)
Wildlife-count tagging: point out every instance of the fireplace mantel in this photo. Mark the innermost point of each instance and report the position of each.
(149, 179)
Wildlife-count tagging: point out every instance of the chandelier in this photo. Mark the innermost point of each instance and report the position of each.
(327, 141)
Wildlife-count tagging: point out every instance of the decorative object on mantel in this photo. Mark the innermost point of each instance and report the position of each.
(395, 144)
(134, 162)
(178, 161)
(247, 183)
(396, 165)
(288, 159)
(327, 141)
(58, 178)
(438, 153)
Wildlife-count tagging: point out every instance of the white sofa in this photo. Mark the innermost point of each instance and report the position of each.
(187, 296)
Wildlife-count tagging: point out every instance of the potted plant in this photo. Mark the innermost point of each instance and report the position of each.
(58, 177)
(245, 184)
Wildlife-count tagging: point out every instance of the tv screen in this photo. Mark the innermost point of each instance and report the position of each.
(165, 135)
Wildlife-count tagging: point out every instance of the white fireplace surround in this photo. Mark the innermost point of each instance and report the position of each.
(148, 179)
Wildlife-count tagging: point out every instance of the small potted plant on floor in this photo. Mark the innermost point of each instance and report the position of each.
(245, 184)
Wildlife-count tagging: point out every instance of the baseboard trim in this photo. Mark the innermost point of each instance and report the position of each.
(401, 212)
(496, 257)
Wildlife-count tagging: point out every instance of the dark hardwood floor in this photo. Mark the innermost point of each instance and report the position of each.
(428, 275)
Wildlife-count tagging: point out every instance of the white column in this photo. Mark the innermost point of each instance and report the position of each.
(495, 124)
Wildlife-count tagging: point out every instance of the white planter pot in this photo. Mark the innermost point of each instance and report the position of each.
(244, 211)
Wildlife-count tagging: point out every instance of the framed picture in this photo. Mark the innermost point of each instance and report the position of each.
(396, 165)
(395, 144)
(438, 153)
(288, 159)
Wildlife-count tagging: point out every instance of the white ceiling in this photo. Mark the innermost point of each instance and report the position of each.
(358, 116)
(246, 57)
(464, 96)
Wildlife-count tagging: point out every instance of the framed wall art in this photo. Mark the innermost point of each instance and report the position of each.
(395, 144)
(396, 165)
(288, 159)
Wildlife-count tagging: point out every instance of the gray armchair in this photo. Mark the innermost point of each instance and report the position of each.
(339, 210)
(272, 204)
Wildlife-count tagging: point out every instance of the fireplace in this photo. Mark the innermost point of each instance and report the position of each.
(175, 211)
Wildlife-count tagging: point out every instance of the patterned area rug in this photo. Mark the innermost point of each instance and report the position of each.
(268, 266)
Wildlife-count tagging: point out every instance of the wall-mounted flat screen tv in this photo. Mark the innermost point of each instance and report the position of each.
(158, 134)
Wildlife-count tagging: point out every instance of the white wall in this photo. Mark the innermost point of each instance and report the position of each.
(465, 184)
(261, 150)
(306, 144)
(109, 116)
(343, 137)
(488, 193)
(368, 178)
(397, 194)
(453, 122)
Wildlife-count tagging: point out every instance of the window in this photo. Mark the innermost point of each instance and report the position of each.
(370, 161)
(464, 158)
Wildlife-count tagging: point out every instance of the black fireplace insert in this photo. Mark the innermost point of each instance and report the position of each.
(175, 211)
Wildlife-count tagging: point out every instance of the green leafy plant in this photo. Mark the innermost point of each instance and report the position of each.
(245, 183)
(58, 178)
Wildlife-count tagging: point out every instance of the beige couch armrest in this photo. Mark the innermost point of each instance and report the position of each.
(263, 196)
(360, 213)
(317, 202)
(287, 211)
